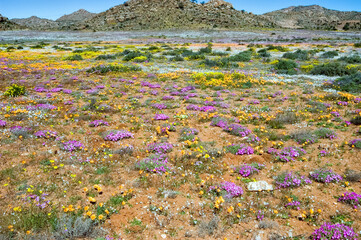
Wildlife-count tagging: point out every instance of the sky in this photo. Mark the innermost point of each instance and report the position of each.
(53, 9)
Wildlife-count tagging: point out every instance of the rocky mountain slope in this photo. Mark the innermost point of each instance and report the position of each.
(175, 14)
(75, 19)
(6, 24)
(36, 23)
(315, 17)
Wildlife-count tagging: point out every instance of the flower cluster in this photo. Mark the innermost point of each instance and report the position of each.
(39, 201)
(337, 231)
(118, 135)
(325, 176)
(219, 122)
(72, 145)
(355, 143)
(231, 189)
(97, 123)
(46, 134)
(293, 204)
(241, 149)
(287, 154)
(161, 117)
(351, 198)
(160, 148)
(247, 170)
(290, 179)
(159, 106)
(154, 163)
(237, 130)
(2, 123)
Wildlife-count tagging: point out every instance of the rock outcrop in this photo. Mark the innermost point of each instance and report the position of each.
(36, 23)
(175, 14)
(74, 20)
(6, 24)
(316, 17)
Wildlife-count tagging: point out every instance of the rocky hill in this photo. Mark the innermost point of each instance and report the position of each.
(6, 24)
(315, 17)
(74, 20)
(36, 23)
(175, 14)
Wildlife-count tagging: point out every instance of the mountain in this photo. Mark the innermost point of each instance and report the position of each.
(175, 14)
(6, 24)
(316, 17)
(36, 23)
(73, 20)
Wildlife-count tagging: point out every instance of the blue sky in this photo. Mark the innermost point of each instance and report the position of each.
(54, 9)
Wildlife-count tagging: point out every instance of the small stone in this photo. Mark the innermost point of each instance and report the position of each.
(259, 186)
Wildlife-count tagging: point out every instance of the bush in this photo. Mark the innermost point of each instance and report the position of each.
(241, 57)
(105, 57)
(222, 63)
(332, 69)
(299, 54)
(75, 57)
(357, 45)
(263, 53)
(286, 67)
(277, 48)
(351, 59)
(329, 54)
(356, 120)
(101, 69)
(350, 83)
(15, 90)
(177, 58)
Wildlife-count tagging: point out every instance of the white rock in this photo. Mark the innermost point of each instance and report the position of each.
(259, 186)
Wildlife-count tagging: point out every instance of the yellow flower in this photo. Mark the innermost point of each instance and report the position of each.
(89, 213)
(100, 217)
(93, 217)
(86, 208)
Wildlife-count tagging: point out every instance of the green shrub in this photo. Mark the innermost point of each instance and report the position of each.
(263, 53)
(105, 57)
(357, 45)
(241, 57)
(329, 54)
(356, 120)
(102, 69)
(177, 58)
(277, 48)
(299, 55)
(351, 59)
(286, 67)
(351, 83)
(222, 63)
(75, 57)
(332, 69)
(15, 90)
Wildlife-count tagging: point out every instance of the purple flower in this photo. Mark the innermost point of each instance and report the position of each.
(118, 135)
(351, 198)
(241, 149)
(337, 231)
(46, 134)
(2, 123)
(325, 176)
(290, 179)
(155, 163)
(72, 145)
(161, 117)
(160, 148)
(97, 123)
(287, 154)
(231, 189)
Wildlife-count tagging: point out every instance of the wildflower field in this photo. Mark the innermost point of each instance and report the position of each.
(114, 140)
